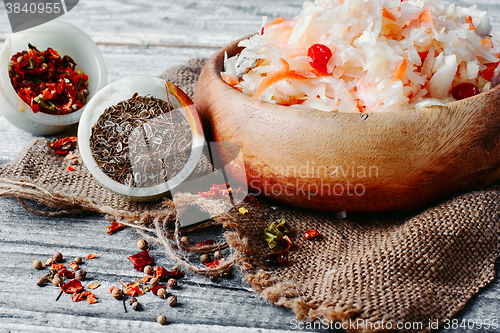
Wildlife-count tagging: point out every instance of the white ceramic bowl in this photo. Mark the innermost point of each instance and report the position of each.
(122, 90)
(66, 39)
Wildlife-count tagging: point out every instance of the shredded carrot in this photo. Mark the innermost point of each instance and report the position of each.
(426, 16)
(468, 19)
(229, 80)
(488, 73)
(340, 2)
(283, 74)
(486, 42)
(400, 71)
(277, 20)
(388, 15)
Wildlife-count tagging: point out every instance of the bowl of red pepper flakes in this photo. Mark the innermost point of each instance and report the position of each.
(47, 76)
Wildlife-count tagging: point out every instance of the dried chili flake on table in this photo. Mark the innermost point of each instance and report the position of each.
(47, 82)
(92, 256)
(74, 266)
(212, 264)
(133, 289)
(146, 279)
(57, 266)
(205, 243)
(243, 210)
(311, 234)
(86, 295)
(64, 272)
(93, 285)
(141, 260)
(275, 233)
(220, 191)
(65, 145)
(49, 262)
(154, 290)
(163, 275)
(70, 168)
(252, 200)
(73, 286)
(114, 227)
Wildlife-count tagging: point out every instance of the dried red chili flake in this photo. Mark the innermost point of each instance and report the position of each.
(276, 259)
(205, 243)
(74, 266)
(145, 279)
(162, 274)
(70, 168)
(114, 227)
(77, 297)
(213, 264)
(65, 145)
(57, 266)
(73, 286)
(64, 272)
(252, 200)
(154, 290)
(220, 191)
(47, 82)
(132, 289)
(141, 260)
(92, 256)
(311, 234)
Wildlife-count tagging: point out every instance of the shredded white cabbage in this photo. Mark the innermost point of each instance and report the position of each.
(387, 55)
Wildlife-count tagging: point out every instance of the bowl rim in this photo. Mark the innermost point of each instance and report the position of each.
(61, 28)
(216, 66)
(92, 114)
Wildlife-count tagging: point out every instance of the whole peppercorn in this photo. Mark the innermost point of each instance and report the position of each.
(37, 264)
(58, 256)
(78, 260)
(132, 300)
(185, 240)
(148, 270)
(80, 275)
(142, 244)
(136, 306)
(204, 258)
(217, 255)
(56, 281)
(172, 301)
(162, 293)
(117, 293)
(176, 268)
(153, 282)
(161, 319)
(172, 283)
(42, 282)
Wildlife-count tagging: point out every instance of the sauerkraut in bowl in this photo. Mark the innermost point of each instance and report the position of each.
(368, 55)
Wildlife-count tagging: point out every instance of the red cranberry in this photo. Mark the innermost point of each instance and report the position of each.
(465, 90)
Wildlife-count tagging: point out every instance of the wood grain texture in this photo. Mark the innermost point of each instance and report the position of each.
(139, 37)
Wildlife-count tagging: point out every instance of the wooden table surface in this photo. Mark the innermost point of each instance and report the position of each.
(139, 37)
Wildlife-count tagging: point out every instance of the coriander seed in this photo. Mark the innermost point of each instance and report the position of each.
(172, 283)
(132, 300)
(58, 256)
(217, 255)
(161, 319)
(162, 293)
(78, 260)
(37, 264)
(185, 240)
(148, 270)
(80, 275)
(56, 281)
(136, 306)
(172, 301)
(176, 268)
(154, 282)
(142, 244)
(204, 258)
(117, 293)
(42, 282)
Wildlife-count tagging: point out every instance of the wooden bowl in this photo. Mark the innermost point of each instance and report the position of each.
(353, 162)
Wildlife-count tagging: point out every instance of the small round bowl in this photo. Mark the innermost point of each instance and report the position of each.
(66, 39)
(354, 162)
(123, 90)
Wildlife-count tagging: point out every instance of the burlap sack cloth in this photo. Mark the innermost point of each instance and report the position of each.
(385, 267)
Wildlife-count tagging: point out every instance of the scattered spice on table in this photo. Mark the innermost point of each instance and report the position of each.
(141, 260)
(251, 199)
(141, 142)
(133, 289)
(47, 82)
(207, 242)
(86, 295)
(276, 259)
(93, 285)
(74, 266)
(275, 234)
(73, 286)
(212, 264)
(243, 210)
(220, 191)
(114, 227)
(92, 256)
(311, 234)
